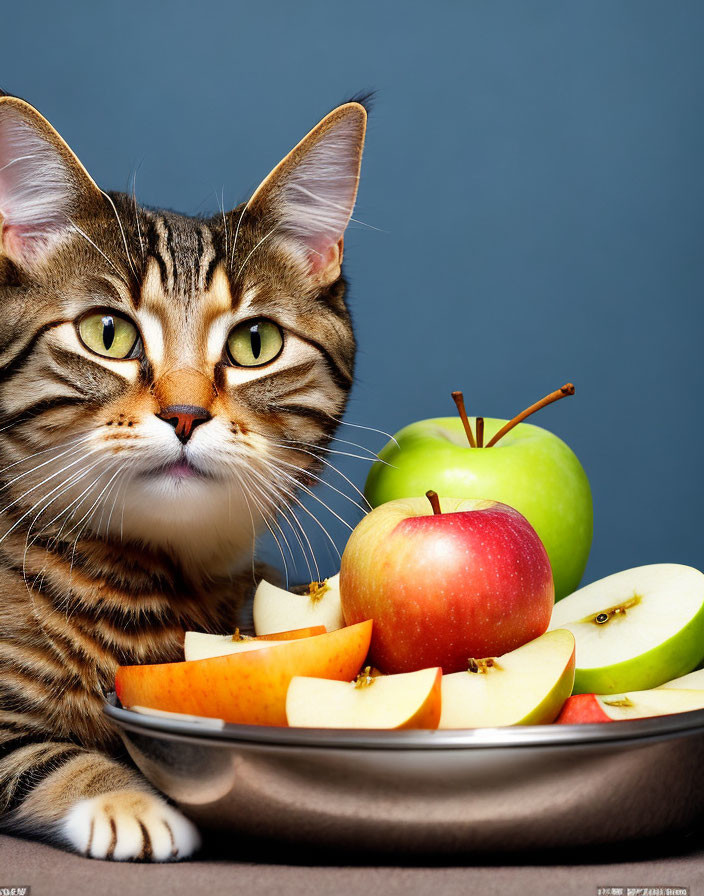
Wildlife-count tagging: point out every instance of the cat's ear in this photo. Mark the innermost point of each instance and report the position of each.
(309, 196)
(42, 184)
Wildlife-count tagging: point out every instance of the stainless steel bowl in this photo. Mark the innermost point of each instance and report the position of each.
(444, 792)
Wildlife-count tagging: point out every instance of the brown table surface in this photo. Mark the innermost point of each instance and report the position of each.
(265, 868)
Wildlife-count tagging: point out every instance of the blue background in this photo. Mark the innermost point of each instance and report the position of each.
(532, 184)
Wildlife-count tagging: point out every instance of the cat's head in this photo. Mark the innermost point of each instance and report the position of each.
(164, 378)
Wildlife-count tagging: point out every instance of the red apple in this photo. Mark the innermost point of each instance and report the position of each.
(471, 581)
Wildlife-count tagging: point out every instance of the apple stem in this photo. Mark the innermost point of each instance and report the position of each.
(480, 432)
(562, 392)
(458, 398)
(434, 501)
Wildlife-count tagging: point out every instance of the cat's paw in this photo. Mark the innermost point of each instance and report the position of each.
(129, 824)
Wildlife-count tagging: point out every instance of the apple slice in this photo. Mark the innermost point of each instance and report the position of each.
(524, 687)
(202, 646)
(293, 634)
(586, 708)
(693, 681)
(408, 700)
(635, 629)
(275, 608)
(248, 687)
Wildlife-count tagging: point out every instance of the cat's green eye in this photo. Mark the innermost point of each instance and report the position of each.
(108, 334)
(254, 343)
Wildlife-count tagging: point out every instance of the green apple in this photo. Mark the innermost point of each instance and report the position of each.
(529, 469)
(635, 629)
(527, 686)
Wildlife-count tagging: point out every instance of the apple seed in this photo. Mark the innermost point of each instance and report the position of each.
(317, 589)
(604, 616)
(482, 666)
(623, 701)
(365, 678)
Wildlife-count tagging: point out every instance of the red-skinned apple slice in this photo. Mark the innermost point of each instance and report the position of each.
(527, 686)
(586, 708)
(202, 646)
(248, 687)
(408, 700)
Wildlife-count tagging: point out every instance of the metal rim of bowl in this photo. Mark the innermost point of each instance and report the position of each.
(656, 727)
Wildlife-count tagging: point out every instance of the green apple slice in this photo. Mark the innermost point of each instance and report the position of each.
(202, 646)
(524, 687)
(276, 609)
(635, 629)
(406, 700)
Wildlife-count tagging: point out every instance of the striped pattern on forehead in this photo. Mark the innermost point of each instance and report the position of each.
(185, 251)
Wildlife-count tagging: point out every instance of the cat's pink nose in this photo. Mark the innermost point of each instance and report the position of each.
(184, 418)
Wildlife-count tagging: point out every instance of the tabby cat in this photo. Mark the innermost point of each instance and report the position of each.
(167, 385)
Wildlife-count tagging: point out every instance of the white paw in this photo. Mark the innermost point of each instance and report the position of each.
(129, 824)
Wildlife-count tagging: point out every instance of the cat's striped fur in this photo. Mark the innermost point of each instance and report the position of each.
(106, 555)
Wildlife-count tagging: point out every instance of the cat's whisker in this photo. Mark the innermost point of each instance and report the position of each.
(237, 233)
(317, 521)
(87, 517)
(321, 481)
(291, 443)
(372, 454)
(136, 213)
(295, 519)
(264, 483)
(43, 482)
(105, 504)
(221, 203)
(252, 251)
(122, 231)
(125, 482)
(294, 498)
(23, 460)
(369, 428)
(329, 465)
(67, 485)
(31, 509)
(74, 449)
(316, 498)
(90, 509)
(279, 505)
(57, 537)
(96, 247)
(266, 523)
(243, 492)
(272, 508)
